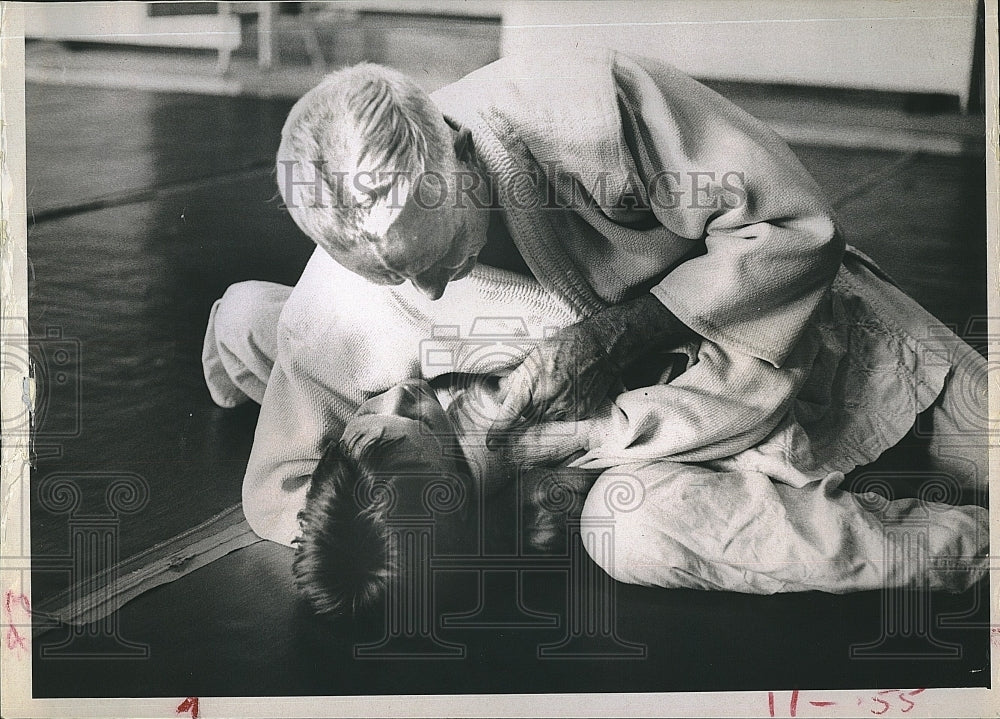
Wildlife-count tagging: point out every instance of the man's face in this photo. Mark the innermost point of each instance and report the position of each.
(434, 239)
(408, 409)
(408, 417)
(410, 436)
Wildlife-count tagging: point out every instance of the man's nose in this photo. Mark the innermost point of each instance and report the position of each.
(431, 288)
(404, 398)
(397, 400)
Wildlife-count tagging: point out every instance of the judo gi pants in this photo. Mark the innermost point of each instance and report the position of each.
(670, 524)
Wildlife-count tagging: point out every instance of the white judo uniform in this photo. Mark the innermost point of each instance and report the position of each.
(810, 363)
(769, 518)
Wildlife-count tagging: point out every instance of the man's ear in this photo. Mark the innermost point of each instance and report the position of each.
(462, 142)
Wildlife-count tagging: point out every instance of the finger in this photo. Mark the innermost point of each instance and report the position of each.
(555, 412)
(517, 400)
(544, 443)
(518, 375)
(503, 386)
(590, 394)
(507, 416)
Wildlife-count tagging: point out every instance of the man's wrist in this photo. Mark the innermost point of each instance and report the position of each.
(631, 328)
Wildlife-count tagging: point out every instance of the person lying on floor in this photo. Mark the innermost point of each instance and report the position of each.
(671, 524)
(809, 362)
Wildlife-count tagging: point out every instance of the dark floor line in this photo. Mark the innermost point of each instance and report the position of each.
(99, 595)
(852, 193)
(145, 194)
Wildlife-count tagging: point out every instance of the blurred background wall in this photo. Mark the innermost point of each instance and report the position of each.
(921, 46)
(903, 45)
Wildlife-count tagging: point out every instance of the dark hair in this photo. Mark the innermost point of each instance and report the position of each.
(342, 563)
(345, 557)
(554, 498)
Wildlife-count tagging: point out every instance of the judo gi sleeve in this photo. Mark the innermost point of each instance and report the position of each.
(716, 174)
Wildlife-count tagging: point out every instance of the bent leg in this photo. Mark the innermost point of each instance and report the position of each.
(674, 525)
(959, 422)
(955, 424)
(241, 341)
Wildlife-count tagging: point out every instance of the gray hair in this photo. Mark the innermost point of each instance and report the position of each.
(350, 150)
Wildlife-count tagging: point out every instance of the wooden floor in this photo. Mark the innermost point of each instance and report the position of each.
(143, 207)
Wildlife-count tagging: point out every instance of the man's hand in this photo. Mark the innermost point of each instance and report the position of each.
(564, 377)
(567, 376)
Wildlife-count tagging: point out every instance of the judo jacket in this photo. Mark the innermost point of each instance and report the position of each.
(616, 176)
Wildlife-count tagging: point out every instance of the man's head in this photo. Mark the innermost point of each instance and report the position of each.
(402, 455)
(370, 170)
(397, 460)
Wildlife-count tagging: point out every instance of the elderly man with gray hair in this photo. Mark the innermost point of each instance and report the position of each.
(600, 213)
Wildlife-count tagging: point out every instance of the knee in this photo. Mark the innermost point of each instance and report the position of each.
(617, 525)
(233, 313)
(959, 428)
(248, 312)
(966, 392)
(636, 521)
(241, 341)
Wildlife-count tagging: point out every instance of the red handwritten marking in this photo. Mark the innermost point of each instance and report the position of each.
(793, 704)
(14, 639)
(8, 602)
(189, 705)
(823, 704)
(904, 699)
(880, 701)
(901, 695)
